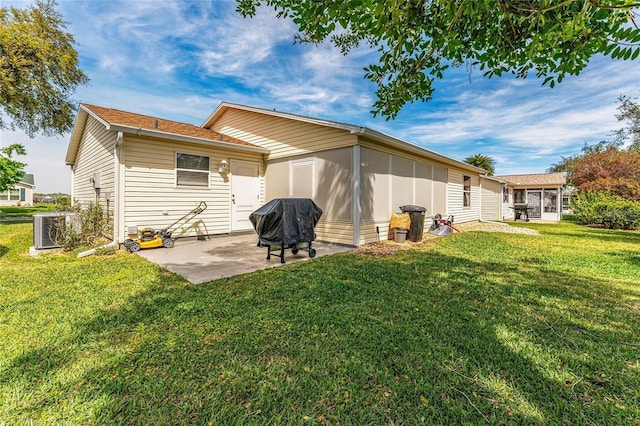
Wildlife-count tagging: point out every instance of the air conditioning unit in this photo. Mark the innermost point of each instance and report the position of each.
(44, 228)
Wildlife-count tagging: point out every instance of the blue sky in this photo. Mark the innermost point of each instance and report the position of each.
(179, 59)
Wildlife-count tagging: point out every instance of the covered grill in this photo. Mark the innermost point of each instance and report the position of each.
(521, 211)
(286, 223)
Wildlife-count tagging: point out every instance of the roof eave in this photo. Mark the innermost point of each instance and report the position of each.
(184, 138)
(382, 137)
(76, 134)
(495, 179)
(225, 105)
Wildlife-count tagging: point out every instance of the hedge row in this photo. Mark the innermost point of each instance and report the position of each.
(601, 208)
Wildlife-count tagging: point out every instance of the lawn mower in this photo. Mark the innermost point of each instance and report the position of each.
(151, 238)
(442, 227)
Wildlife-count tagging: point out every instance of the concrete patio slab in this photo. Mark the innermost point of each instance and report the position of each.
(201, 261)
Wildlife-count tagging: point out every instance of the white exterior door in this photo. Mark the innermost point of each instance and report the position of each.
(245, 193)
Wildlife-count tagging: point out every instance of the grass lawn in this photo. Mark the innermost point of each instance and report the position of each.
(12, 211)
(481, 328)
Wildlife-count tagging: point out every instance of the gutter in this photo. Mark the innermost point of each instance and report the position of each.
(116, 198)
(418, 150)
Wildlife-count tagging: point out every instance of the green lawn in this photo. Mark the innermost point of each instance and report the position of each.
(12, 211)
(482, 328)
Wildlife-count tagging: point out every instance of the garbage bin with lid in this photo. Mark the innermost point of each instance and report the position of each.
(417, 214)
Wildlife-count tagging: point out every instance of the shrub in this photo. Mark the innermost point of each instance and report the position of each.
(610, 211)
(93, 227)
(63, 203)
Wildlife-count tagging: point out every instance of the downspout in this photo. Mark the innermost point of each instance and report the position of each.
(480, 178)
(357, 190)
(73, 183)
(116, 198)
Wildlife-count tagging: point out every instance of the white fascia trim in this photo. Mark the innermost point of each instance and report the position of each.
(420, 150)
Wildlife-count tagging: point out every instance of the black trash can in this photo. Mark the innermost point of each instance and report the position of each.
(417, 215)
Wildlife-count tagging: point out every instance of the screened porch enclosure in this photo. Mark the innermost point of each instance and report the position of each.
(543, 203)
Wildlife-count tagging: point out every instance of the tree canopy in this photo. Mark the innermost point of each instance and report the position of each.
(11, 171)
(482, 161)
(419, 40)
(38, 70)
(629, 112)
(613, 171)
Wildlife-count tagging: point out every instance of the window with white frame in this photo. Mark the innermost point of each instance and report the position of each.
(466, 191)
(192, 170)
(14, 194)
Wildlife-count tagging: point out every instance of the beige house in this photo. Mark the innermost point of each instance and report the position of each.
(150, 171)
(20, 194)
(541, 193)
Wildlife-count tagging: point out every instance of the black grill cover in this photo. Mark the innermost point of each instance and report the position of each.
(286, 221)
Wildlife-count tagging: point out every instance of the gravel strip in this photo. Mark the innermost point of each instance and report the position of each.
(495, 227)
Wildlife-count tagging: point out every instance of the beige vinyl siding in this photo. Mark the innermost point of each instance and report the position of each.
(491, 200)
(334, 185)
(95, 155)
(325, 177)
(389, 182)
(338, 232)
(277, 180)
(402, 183)
(283, 137)
(440, 191)
(455, 197)
(368, 231)
(152, 198)
(375, 185)
(424, 186)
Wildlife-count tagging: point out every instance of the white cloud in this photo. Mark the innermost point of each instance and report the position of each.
(178, 59)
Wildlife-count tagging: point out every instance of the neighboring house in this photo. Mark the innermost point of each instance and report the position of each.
(150, 171)
(567, 194)
(20, 194)
(542, 193)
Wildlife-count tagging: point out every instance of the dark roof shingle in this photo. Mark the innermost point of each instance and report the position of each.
(536, 179)
(129, 119)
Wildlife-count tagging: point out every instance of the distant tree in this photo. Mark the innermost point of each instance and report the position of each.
(11, 171)
(568, 164)
(629, 111)
(38, 70)
(612, 170)
(482, 161)
(418, 40)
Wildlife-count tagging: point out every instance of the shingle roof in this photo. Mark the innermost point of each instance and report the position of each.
(28, 179)
(536, 179)
(129, 119)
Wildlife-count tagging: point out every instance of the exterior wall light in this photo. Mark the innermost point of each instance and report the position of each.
(223, 167)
